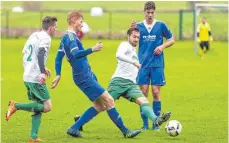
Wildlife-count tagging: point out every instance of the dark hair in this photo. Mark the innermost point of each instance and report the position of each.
(130, 31)
(73, 16)
(149, 5)
(48, 21)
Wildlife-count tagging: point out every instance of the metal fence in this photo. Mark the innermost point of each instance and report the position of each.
(112, 25)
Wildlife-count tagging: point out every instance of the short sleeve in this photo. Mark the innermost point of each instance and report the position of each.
(166, 32)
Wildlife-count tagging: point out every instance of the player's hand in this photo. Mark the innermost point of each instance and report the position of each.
(55, 82)
(211, 38)
(158, 50)
(47, 72)
(42, 78)
(97, 47)
(136, 64)
(133, 24)
(198, 40)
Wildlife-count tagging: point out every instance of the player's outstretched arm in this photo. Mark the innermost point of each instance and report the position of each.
(55, 81)
(82, 53)
(58, 65)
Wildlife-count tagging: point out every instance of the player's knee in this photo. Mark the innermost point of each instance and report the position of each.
(100, 108)
(145, 92)
(156, 94)
(142, 100)
(109, 103)
(47, 107)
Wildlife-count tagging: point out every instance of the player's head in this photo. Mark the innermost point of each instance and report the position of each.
(75, 20)
(49, 24)
(133, 36)
(149, 11)
(204, 20)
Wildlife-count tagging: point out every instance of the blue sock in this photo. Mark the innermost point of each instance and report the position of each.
(86, 117)
(157, 107)
(116, 118)
(144, 118)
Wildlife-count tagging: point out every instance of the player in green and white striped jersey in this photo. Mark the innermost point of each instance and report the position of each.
(123, 81)
(35, 56)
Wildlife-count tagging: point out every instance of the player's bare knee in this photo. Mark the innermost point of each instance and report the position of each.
(156, 95)
(109, 103)
(99, 107)
(142, 100)
(47, 106)
(145, 92)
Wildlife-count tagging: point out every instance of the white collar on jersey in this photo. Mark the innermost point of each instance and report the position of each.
(149, 27)
(46, 33)
(71, 31)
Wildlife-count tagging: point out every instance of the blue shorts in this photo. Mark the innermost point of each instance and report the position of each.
(151, 75)
(90, 86)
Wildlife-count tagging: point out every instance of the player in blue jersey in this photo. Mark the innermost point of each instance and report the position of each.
(151, 56)
(85, 79)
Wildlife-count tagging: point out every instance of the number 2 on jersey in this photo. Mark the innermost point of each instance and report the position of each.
(30, 54)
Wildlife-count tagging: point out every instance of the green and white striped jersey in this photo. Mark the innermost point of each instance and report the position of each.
(35, 42)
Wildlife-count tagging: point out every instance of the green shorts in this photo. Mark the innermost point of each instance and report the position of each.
(37, 92)
(125, 88)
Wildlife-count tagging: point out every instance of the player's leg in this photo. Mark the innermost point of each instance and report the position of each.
(135, 95)
(36, 92)
(143, 80)
(207, 46)
(146, 108)
(93, 91)
(148, 111)
(158, 80)
(201, 51)
(36, 120)
(108, 101)
(116, 88)
(41, 95)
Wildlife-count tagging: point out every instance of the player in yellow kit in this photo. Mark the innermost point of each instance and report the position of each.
(204, 36)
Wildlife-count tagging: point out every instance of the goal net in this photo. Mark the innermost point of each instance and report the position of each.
(217, 17)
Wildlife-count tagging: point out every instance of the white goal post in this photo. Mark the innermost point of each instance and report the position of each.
(197, 10)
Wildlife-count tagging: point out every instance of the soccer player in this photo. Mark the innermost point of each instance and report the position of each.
(85, 79)
(151, 57)
(123, 81)
(204, 36)
(35, 56)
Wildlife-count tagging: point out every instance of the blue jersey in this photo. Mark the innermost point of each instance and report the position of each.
(72, 48)
(149, 41)
(84, 78)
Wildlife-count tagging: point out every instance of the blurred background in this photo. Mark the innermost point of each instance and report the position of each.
(109, 20)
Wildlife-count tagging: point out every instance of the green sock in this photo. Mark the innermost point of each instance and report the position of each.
(36, 121)
(148, 111)
(31, 107)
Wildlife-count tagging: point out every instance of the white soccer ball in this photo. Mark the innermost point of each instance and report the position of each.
(173, 128)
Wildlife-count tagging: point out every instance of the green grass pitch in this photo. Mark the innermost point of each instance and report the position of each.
(196, 93)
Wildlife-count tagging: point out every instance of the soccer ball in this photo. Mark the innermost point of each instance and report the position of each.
(173, 128)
